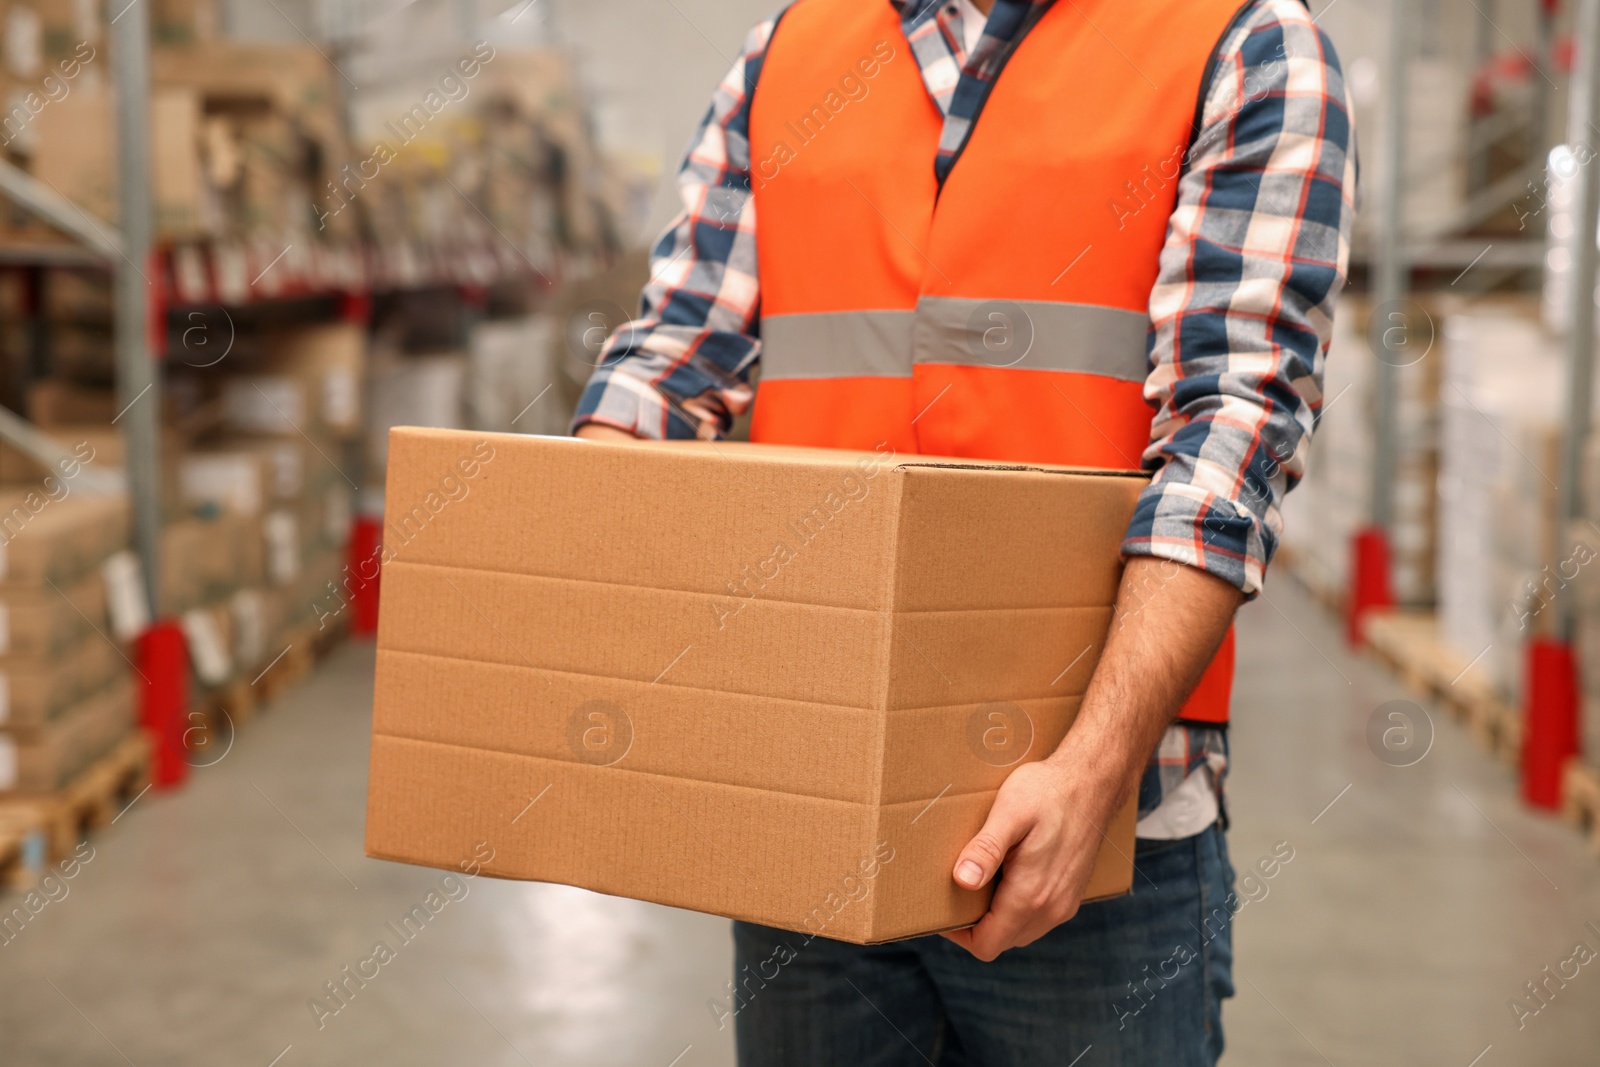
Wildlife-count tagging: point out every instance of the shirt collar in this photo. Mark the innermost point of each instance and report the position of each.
(912, 10)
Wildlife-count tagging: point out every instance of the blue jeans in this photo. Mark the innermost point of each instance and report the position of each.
(1140, 978)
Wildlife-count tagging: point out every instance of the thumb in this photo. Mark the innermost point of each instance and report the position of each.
(1007, 824)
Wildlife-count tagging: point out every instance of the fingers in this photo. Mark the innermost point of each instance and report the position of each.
(1008, 823)
(598, 431)
(1002, 928)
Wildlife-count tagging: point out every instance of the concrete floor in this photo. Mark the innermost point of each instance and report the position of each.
(1415, 906)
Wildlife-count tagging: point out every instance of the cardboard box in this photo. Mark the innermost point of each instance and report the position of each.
(53, 402)
(44, 621)
(330, 360)
(240, 480)
(75, 152)
(185, 22)
(176, 182)
(49, 760)
(35, 689)
(280, 530)
(322, 594)
(248, 475)
(205, 559)
(268, 404)
(78, 296)
(293, 79)
(780, 685)
(208, 633)
(44, 539)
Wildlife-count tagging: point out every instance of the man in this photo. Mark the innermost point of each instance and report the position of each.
(1096, 232)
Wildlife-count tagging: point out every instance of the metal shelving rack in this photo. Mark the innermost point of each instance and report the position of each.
(149, 279)
(1391, 282)
(1392, 257)
(1553, 703)
(137, 329)
(1551, 700)
(124, 248)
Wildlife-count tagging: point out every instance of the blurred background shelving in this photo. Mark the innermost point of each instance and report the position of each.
(240, 240)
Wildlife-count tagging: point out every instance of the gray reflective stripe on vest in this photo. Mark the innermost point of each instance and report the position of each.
(837, 344)
(1032, 335)
(1019, 334)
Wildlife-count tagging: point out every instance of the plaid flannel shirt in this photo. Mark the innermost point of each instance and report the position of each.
(1240, 314)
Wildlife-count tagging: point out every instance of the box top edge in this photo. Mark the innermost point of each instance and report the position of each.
(797, 454)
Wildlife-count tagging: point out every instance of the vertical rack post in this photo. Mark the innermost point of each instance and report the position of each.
(1585, 110)
(1388, 337)
(1390, 283)
(138, 380)
(1543, 56)
(1550, 697)
(1484, 39)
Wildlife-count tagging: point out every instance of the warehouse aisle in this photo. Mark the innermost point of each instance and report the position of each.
(1418, 901)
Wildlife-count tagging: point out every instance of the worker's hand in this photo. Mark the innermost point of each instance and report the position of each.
(1047, 817)
(594, 431)
(1045, 827)
(694, 410)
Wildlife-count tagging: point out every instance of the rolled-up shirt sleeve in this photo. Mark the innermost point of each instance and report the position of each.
(1242, 310)
(682, 368)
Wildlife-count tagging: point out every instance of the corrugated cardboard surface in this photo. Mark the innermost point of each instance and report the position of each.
(40, 761)
(56, 540)
(35, 689)
(776, 684)
(44, 621)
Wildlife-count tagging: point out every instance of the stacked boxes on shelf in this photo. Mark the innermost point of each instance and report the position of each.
(268, 504)
(242, 136)
(513, 382)
(66, 688)
(249, 147)
(488, 148)
(1500, 549)
(1334, 500)
(55, 116)
(427, 389)
(245, 137)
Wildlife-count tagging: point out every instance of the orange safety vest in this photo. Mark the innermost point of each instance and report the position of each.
(1003, 316)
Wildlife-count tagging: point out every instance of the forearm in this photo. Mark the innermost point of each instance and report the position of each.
(1168, 623)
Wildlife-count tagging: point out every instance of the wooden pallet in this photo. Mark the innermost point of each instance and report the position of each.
(23, 846)
(1580, 791)
(324, 639)
(1409, 643)
(290, 665)
(216, 718)
(94, 798)
(220, 711)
